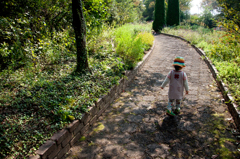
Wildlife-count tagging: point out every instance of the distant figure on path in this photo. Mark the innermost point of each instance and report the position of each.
(178, 81)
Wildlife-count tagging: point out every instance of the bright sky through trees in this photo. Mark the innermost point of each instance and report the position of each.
(195, 7)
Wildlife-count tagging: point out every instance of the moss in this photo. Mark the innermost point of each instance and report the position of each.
(224, 153)
(217, 128)
(91, 144)
(83, 138)
(100, 127)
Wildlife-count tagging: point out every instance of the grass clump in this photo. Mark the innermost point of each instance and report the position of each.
(131, 41)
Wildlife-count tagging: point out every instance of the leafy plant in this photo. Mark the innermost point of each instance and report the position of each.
(147, 39)
(44, 96)
(130, 44)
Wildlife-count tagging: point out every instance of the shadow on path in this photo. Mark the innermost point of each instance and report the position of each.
(136, 126)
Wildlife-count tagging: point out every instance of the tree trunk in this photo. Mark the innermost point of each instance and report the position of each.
(80, 35)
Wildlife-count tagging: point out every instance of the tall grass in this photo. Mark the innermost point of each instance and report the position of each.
(131, 41)
(195, 35)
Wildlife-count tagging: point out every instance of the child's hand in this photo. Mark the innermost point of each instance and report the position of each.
(187, 92)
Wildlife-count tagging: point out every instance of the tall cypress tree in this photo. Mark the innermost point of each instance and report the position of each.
(173, 13)
(159, 16)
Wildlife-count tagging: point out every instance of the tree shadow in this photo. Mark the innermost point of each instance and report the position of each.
(138, 127)
(39, 110)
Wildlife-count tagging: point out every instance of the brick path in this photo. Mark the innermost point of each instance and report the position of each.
(136, 126)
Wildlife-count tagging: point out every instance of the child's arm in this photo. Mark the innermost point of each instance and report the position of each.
(185, 83)
(166, 81)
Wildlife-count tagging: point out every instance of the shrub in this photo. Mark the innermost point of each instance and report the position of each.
(129, 48)
(147, 39)
(130, 45)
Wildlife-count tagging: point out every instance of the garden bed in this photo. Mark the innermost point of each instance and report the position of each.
(63, 140)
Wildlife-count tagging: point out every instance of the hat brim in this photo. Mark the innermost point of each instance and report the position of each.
(179, 65)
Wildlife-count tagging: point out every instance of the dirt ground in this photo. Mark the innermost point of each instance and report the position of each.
(136, 126)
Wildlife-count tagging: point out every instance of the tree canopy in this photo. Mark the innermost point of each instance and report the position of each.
(230, 9)
(148, 13)
(212, 4)
(25, 23)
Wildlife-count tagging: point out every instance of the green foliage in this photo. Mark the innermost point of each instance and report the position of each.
(207, 18)
(194, 20)
(225, 54)
(22, 27)
(125, 11)
(184, 5)
(184, 15)
(213, 4)
(147, 39)
(229, 72)
(39, 94)
(148, 12)
(13, 33)
(46, 50)
(159, 16)
(23, 24)
(173, 13)
(197, 35)
(96, 12)
(129, 44)
(230, 10)
(42, 97)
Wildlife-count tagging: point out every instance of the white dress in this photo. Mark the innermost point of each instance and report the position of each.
(178, 81)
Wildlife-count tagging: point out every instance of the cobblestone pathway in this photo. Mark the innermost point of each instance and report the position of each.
(136, 127)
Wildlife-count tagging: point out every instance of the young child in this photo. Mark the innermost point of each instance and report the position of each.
(178, 81)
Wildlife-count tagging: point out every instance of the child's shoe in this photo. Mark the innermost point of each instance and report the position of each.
(177, 111)
(170, 113)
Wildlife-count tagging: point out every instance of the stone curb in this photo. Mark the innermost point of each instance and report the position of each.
(60, 143)
(232, 107)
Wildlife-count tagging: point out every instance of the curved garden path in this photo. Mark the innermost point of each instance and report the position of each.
(136, 126)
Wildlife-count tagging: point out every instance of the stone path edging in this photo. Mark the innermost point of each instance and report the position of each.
(60, 143)
(225, 91)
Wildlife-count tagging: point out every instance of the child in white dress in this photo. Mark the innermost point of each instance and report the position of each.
(178, 81)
